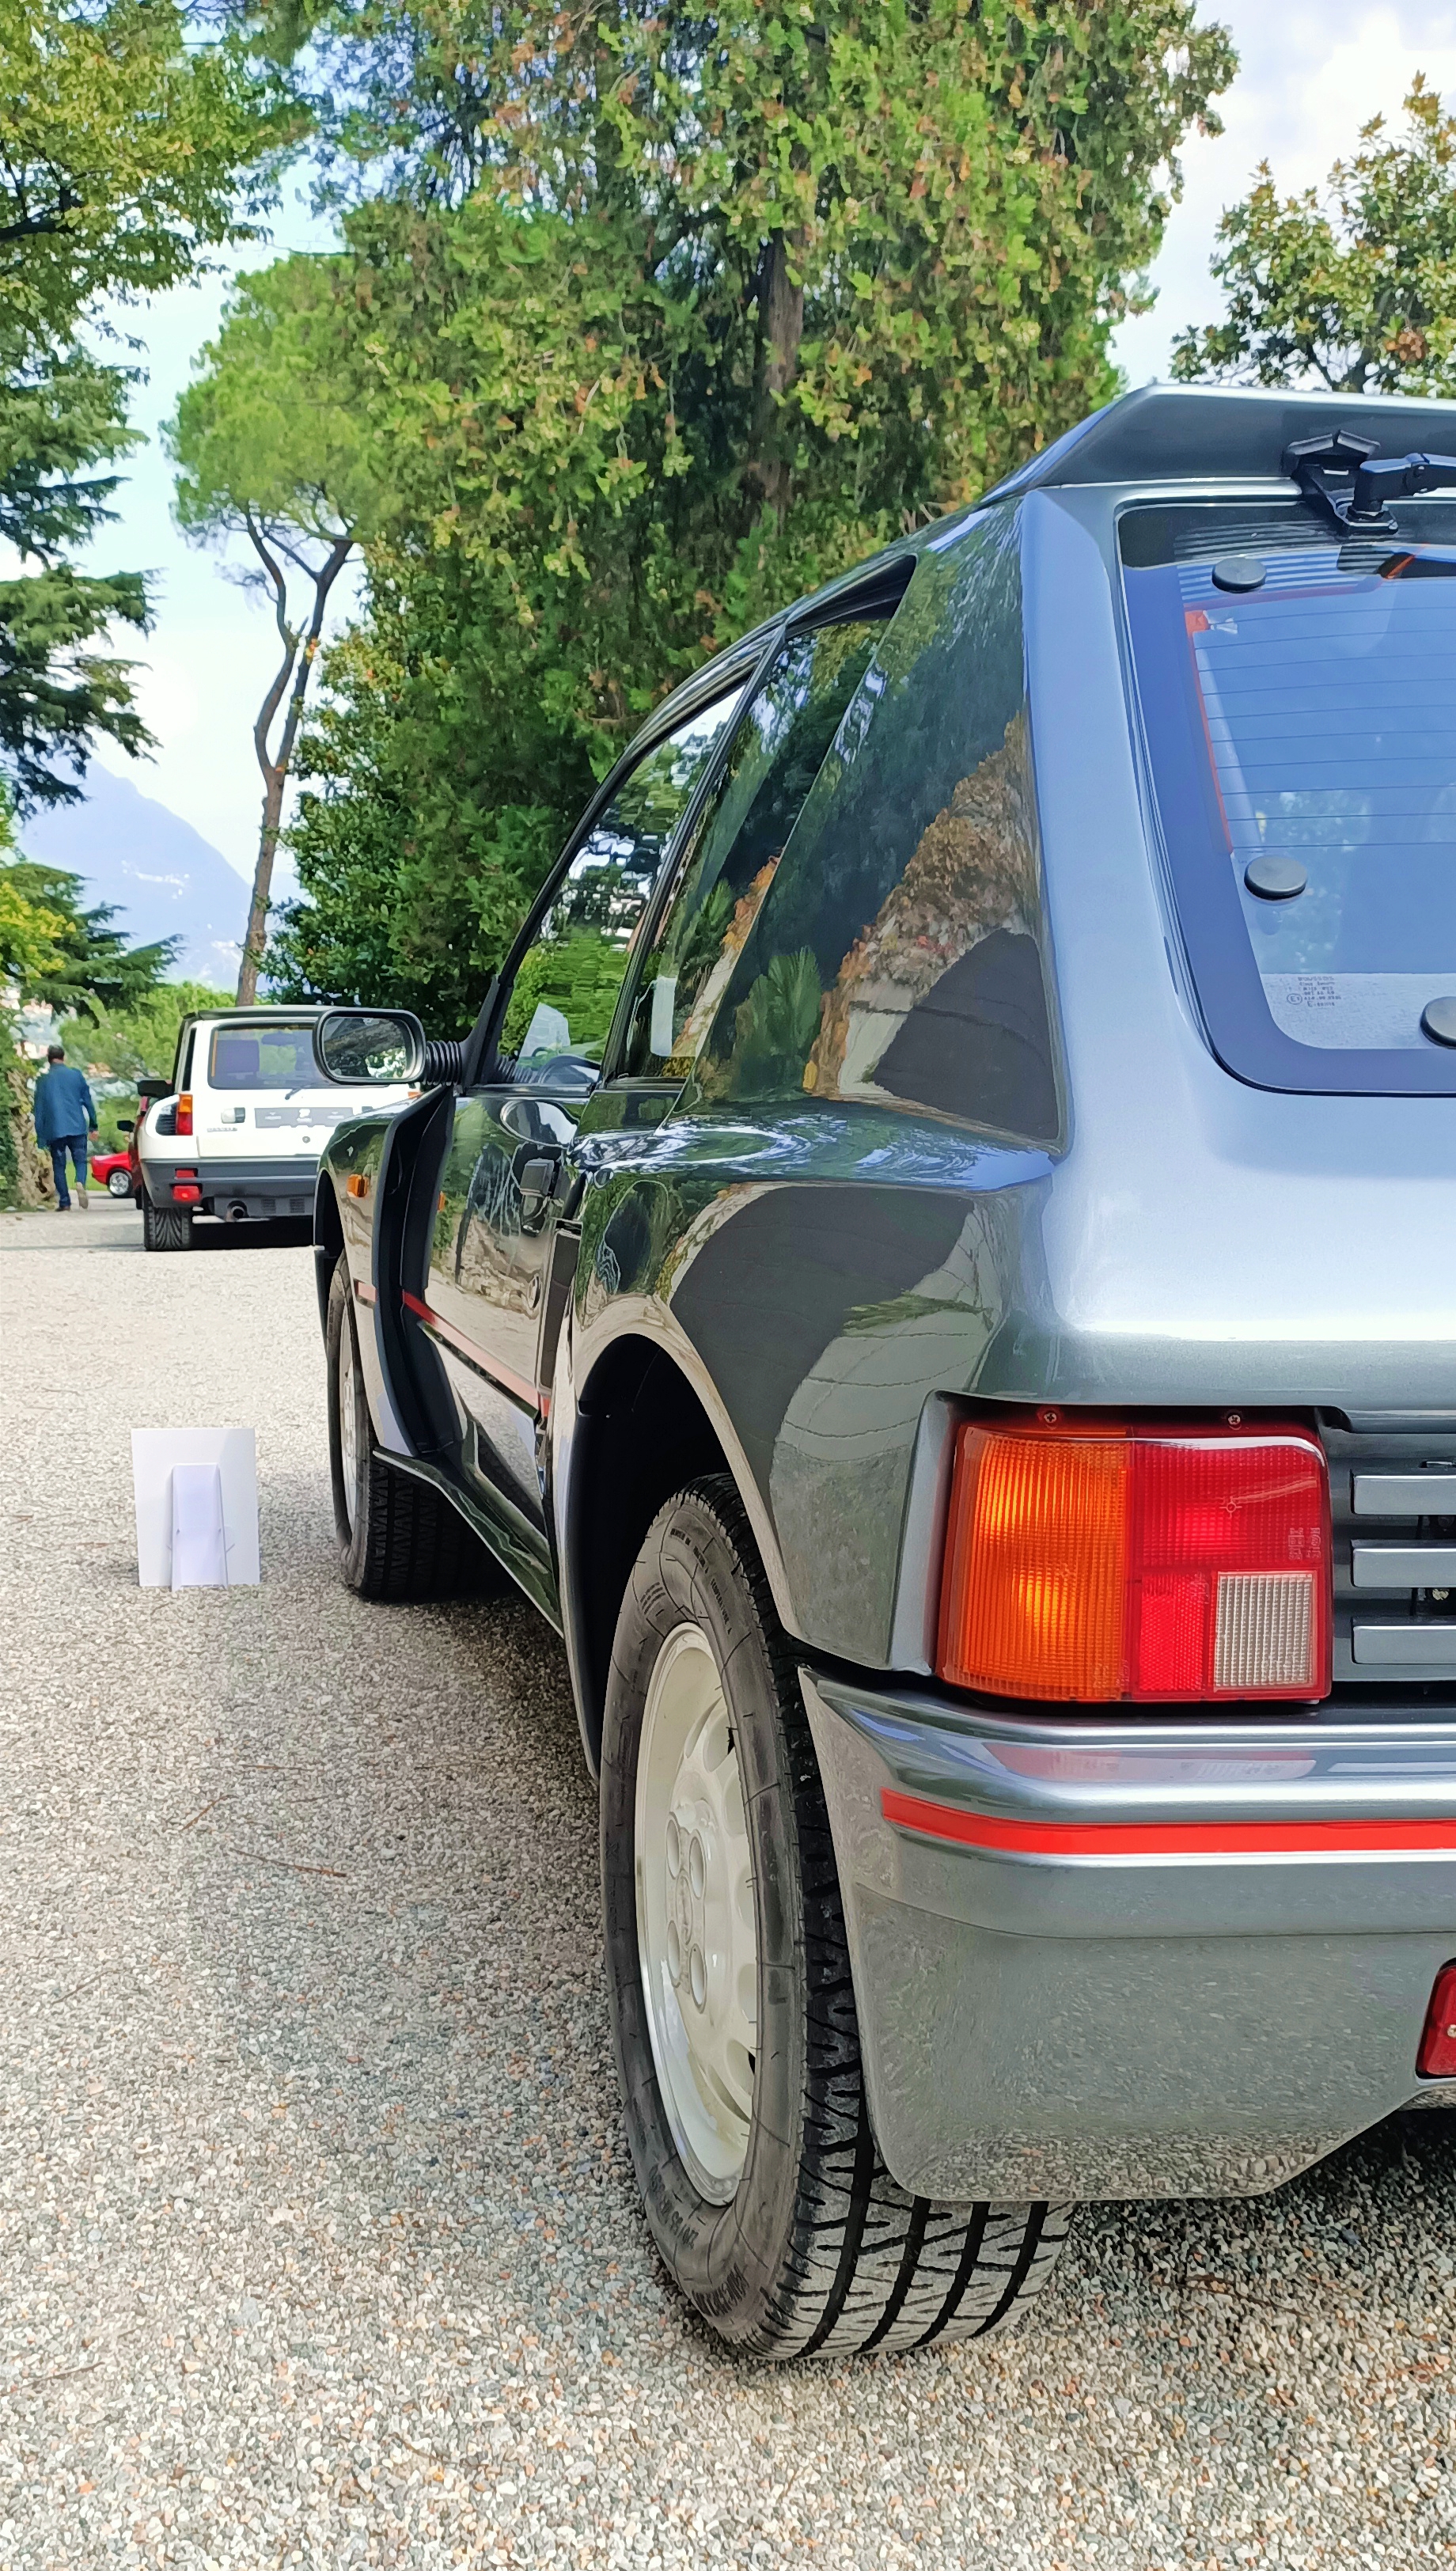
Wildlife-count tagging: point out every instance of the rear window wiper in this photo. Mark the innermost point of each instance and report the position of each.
(1370, 480)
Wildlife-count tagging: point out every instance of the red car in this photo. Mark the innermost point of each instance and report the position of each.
(114, 1171)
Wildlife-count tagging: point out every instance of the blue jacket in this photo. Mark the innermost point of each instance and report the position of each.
(63, 1104)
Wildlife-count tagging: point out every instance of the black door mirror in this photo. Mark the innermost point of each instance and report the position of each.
(152, 1086)
(125, 1125)
(369, 1047)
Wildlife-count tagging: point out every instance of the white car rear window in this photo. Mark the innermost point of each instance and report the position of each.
(279, 1057)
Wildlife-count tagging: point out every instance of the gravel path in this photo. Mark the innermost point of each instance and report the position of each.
(318, 2241)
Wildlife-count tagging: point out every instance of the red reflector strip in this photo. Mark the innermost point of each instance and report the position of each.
(1161, 1838)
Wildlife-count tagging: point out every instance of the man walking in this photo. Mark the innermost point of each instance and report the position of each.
(64, 1110)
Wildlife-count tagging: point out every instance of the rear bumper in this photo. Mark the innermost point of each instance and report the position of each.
(1106, 1959)
(261, 1188)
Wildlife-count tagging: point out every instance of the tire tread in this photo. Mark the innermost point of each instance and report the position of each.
(869, 2266)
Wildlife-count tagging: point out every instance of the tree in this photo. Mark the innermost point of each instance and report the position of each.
(270, 448)
(140, 1036)
(1354, 288)
(67, 958)
(666, 317)
(126, 150)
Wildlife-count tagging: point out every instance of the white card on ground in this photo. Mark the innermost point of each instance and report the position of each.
(198, 1542)
(234, 1452)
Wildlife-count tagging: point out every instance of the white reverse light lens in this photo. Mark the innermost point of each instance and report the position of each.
(1264, 1635)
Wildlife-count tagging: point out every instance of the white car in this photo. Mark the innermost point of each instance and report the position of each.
(238, 1130)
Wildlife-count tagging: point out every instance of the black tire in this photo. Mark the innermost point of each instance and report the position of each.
(819, 2250)
(119, 1183)
(166, 1227)
(398, 1538)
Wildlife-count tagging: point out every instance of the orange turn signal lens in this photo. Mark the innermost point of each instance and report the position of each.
(1088, 1564)
(1036, 1565)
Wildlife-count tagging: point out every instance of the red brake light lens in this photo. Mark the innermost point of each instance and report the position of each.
(1436, 2059)
(1091, 1564)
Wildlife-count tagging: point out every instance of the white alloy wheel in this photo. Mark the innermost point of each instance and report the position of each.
(696, 1935)
(348, 1422)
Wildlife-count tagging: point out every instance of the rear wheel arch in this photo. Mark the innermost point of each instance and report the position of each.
(643, 1430)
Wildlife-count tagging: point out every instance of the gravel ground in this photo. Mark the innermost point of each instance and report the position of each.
(319, 2242)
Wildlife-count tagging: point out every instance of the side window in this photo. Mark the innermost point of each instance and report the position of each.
(565, 992)
(726, 878)
(896, 956)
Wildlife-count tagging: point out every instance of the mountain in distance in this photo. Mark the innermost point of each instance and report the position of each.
(163, 877)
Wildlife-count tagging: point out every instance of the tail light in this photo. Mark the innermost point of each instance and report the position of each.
(1096, 1563)
(183, 1123)
(1436, 2059)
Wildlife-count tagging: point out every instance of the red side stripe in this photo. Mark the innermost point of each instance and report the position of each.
(1160, 1838)
(506, 1376)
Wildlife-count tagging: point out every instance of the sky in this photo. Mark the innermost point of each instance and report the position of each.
(1310, 76)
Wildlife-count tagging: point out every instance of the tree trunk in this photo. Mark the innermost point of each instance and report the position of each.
(274, 779)
(296, 666)
(780, 330)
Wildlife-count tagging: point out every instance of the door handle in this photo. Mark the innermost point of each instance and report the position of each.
(535, 1167)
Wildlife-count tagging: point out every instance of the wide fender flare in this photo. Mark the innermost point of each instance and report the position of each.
(581, 1357)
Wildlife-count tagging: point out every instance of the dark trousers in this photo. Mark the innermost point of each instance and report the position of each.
(75, 1144)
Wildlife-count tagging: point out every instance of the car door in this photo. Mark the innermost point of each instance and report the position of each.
(508, 1158)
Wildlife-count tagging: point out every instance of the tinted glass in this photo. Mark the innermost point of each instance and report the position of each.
(1328, 703)
(565, 992)
(773, 763)
(895, 955)
(1304, 768)
(263, 1058)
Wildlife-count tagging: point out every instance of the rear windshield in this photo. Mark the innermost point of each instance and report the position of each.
(279, 1057)
(1300, 701)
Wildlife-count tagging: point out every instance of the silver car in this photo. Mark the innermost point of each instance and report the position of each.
(932, 1269)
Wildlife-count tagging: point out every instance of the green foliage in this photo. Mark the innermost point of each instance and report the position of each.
(79, 965)
(123, 145)
(30, 928)
(139, 1036)
(14, 1095)
(775, 1027)
(267, 434)
(1354, 287)
(432, 806)
(667, 316)
(581, 976)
